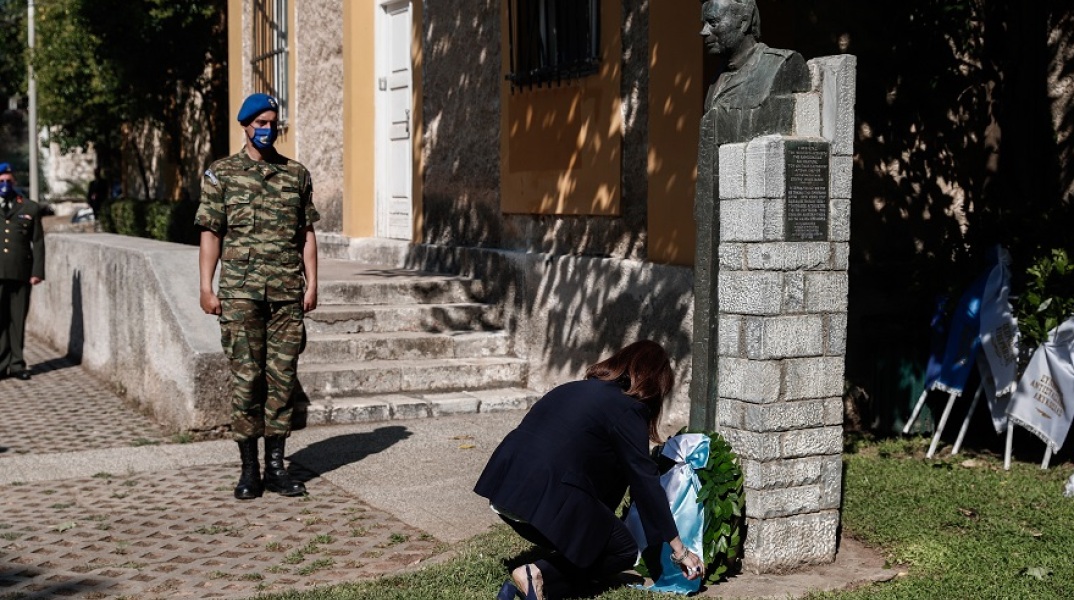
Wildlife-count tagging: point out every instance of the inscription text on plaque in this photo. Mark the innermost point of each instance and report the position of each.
(806, 212)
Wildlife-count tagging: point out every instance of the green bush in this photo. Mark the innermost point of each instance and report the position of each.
(127, 219)
(1048, 298)
(156, 219)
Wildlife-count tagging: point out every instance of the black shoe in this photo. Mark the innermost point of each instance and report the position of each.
(24, 375)
(276, 477)
(508, 591)
(249, 486)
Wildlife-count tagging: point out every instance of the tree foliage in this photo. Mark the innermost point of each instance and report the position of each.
(12, 56)
(78, 95)
(106, 66)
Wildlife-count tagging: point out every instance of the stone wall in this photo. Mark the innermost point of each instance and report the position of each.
(67, 174)
(318, 104)
(784, 234)
(461, 110)
(128, 308)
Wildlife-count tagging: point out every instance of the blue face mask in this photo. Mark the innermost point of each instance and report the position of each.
(7, 190)
(264, 137)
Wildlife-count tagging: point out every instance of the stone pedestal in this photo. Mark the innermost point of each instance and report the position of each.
(784, 215)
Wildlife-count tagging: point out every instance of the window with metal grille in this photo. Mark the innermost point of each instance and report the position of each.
(553, 40)
(269, 63)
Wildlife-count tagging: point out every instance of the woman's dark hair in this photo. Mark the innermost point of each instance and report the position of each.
(644, 372)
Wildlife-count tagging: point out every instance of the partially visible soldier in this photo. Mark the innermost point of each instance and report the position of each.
(22, 266)
(257, 216)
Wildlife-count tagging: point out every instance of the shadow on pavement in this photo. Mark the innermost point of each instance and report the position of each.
(38, 584)
(54, 364)
(328, 455)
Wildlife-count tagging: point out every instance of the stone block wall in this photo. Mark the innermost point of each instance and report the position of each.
(127, 309)
(782, 301)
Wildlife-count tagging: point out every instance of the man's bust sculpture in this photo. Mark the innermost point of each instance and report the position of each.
(754, 92)
(753, 96)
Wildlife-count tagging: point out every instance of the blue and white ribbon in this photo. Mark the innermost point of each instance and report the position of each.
(690, 451)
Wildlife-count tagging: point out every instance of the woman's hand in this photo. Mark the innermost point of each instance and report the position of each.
(690, 563)
(692, 566)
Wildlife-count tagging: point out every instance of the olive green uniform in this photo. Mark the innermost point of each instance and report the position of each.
(261, 210)
(22, 256)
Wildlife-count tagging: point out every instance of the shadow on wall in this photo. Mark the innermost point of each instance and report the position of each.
(568, 312)
(76, 337)
(573, 308)
(463, 203)
(593, 310)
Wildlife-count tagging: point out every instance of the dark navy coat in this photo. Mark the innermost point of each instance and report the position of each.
(567, 465)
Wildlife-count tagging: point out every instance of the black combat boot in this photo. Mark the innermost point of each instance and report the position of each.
(249, 486)
(276, 477)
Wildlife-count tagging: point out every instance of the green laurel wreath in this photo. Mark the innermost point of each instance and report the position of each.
(721, 493)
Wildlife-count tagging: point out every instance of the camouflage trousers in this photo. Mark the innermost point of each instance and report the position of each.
(262, 341)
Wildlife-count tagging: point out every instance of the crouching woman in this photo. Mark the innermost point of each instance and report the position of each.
(559, 476)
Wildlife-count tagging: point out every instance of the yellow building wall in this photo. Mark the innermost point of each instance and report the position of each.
(676, 97)
(561, 144)
(359, 118)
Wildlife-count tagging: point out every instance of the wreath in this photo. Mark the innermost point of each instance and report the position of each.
(724, 503)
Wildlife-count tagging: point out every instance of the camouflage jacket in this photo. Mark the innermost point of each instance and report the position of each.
(260, 208)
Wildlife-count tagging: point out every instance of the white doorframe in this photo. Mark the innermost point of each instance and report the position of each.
(394, 149)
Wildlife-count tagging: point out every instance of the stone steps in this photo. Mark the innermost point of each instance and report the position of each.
(385, 407)
(390, 343)
(403, 345)
(401, 289)
(383, 318)
(354, 378)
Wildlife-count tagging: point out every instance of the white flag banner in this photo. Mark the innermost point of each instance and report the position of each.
(1044, 400)
(997, 405)
(999, 329)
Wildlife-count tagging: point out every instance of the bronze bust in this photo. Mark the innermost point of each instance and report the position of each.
(751, 72)
(752, 96)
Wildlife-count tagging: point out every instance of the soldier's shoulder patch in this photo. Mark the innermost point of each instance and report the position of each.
(212, 177)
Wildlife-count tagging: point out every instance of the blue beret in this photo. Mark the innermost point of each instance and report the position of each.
(254, 105)
(5, 167)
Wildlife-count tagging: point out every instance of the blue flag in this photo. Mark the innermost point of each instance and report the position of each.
(963, 339)
(938, 343)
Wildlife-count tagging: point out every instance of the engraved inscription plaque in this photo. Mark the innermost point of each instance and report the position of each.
(806, 212)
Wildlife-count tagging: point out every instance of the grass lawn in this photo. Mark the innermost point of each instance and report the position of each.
(963, 528)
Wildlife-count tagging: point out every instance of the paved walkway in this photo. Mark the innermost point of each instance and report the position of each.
(99, 503)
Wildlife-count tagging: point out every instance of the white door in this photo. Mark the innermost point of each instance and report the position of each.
(394, 206)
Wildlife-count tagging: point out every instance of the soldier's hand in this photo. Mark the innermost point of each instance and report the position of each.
(210, 303)
(35, 280)
(309, 300)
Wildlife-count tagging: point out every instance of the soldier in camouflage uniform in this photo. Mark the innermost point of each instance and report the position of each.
(257, 216)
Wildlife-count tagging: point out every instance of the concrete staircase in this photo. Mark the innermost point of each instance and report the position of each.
(391, 343)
